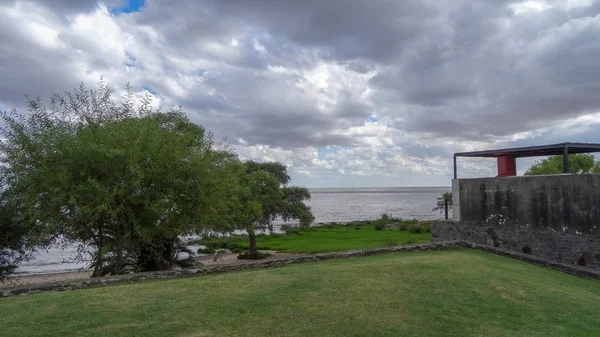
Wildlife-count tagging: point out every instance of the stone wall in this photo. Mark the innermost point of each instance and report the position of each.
(555, 217)
(562, 247)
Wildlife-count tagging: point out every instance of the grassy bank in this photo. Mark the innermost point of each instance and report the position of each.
(330, 238)
(442, 293)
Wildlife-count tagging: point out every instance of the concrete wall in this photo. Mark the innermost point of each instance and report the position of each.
(564, 203)
(555, 217)
(456, 200)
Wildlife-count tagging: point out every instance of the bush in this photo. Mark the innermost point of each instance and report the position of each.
(410, 241)
(292, 230)
(414, 226)
(237, 250)
(380, 223)
(416, 229)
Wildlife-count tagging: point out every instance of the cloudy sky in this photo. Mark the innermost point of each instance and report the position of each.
(345, 92)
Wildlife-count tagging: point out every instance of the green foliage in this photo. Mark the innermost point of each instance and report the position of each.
(578, 164)
(121, 179)
(263, 195)
(290, 231)
(16, 237)
(383, 221)
(389, 243)
(414, 227)
(222, 242)
(440, 205)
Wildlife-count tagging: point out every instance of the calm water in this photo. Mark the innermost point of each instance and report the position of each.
(328, 205)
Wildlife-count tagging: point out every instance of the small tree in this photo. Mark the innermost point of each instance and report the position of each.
(578, 164)
(441, 202)
(264, 195)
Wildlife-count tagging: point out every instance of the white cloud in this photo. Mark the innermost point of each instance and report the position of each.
(389, 89)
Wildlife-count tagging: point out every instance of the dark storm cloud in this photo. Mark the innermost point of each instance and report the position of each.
(343, 29)
(454, 69)
(26, 69)
(272, 110)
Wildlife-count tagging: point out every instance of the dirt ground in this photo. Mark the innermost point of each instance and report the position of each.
(226, 259)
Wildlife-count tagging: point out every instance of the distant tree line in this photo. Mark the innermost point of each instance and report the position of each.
(125, 181)
(578, 164)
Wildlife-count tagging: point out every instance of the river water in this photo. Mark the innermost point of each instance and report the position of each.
(328, 205)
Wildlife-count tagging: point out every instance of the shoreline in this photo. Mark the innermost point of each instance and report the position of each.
(228, 259)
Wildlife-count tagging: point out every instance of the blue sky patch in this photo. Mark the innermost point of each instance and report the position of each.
(130, 6)
(130, 60)
(145, 87)
(372, 119)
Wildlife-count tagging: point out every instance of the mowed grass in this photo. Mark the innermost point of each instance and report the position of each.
(439, 293)
(338, 238)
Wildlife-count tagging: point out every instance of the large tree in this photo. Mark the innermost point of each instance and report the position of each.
(124, 181)
(578, 164)
(264, 195)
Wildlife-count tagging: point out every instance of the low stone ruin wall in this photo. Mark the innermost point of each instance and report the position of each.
(565, 247)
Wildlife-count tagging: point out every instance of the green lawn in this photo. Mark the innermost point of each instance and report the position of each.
(333, 239)
(440, 293)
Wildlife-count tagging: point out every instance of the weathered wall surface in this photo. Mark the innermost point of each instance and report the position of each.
(563, 203)
(555, 217)
(567, 248)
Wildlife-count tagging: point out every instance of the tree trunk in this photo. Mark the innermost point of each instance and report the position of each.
(252, 237)
(99, 260)
(120, 244)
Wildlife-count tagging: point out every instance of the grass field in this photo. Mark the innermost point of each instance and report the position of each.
(333, 239)
(440, 293)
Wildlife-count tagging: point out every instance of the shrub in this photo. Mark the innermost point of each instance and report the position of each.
(410, 241)
(292, 230)
(416, 229)
(383, 220)
(414, 226)
(237, 250)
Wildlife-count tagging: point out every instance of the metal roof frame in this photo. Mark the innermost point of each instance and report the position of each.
(534, 151)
